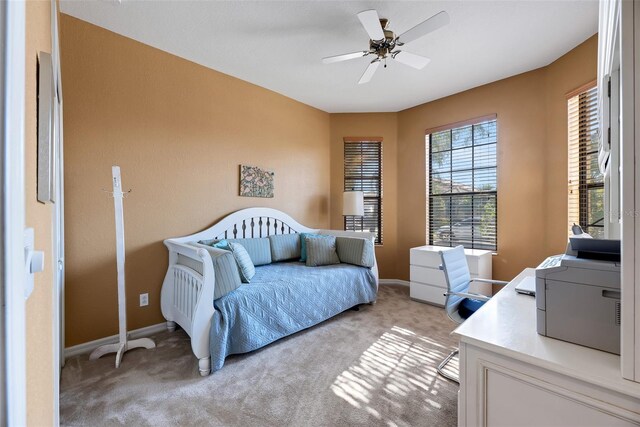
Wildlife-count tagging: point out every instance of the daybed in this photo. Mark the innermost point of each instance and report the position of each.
(281, 299)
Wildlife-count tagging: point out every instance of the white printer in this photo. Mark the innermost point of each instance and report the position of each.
(578, 294)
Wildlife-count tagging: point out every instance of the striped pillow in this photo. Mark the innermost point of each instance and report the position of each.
(284, 247)
(321, 251)
(303, 244)
(258, 249)
(227, 275)
(224, 268)
(356, 251)
(246, 267)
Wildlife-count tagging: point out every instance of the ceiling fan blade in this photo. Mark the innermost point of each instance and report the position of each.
(411, 59)
(344, 57)
(438, 20)
(371, 23)
(369, 72)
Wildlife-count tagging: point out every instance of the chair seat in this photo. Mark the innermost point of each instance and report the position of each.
(468, 306)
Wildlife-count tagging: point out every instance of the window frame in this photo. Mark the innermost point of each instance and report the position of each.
(585, 184)
(379, 198)
(429, 196)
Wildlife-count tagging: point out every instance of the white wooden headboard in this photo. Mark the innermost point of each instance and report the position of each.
(249, 223)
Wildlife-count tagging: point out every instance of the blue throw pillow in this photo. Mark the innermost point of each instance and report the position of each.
(245, 266)
(284, 247)
(303, 244)
(259, 249)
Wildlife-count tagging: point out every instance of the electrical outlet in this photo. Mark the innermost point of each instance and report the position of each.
(144, 300)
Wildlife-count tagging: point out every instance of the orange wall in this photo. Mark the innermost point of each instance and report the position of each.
(179, 131)
(532, 159)
(40, 404)
(383, 125)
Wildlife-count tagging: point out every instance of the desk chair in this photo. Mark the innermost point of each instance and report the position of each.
(460, 303)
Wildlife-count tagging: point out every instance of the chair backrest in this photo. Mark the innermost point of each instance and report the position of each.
(456, 273)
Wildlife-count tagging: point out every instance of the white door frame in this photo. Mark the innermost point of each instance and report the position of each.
(58, 218)
(12, 207)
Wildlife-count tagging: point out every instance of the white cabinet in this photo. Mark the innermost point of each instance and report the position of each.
(428, 283)
(510, 375)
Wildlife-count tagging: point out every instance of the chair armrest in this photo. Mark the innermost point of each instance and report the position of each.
(469, 295)
(495, 282)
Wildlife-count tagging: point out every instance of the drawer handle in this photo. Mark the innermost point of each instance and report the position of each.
(611, 294)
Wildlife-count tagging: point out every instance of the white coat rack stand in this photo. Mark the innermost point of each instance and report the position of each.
(124, 344)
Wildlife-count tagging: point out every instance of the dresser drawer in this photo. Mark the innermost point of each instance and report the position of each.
(427, 276)
(424, 258)
(427, 293)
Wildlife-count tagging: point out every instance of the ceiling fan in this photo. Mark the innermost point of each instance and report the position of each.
(384, 42)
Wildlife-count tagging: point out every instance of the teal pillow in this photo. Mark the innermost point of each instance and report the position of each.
(303, 244)
(245, 266)
(321, 251)
(221, 244)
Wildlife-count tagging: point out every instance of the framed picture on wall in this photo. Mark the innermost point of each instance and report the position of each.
(256, 182)
(46, 129)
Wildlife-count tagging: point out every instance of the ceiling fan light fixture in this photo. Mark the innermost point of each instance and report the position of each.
(383, 42)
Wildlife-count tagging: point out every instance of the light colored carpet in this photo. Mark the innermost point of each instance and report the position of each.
(370, 367)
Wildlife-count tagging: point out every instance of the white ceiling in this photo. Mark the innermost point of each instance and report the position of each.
(279, 44)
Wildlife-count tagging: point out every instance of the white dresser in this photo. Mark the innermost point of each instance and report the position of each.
(427, 280)
(510, 375)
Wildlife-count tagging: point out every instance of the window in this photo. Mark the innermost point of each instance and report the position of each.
(462, 185)
(363, 172)
(586, 183)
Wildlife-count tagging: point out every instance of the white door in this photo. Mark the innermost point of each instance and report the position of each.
(58, 220)
(12, 215)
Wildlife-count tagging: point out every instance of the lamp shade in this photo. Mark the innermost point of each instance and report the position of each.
(353, 203)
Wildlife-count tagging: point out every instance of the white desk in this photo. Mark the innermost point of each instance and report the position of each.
(510, 375)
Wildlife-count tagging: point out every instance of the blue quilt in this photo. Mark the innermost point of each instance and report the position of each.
(282, 299)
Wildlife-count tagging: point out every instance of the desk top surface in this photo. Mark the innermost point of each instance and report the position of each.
(506, 325)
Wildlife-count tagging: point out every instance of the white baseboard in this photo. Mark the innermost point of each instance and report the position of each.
(394, 282)
(88, 347)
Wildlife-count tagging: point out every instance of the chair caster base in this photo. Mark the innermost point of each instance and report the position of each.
(442, 365)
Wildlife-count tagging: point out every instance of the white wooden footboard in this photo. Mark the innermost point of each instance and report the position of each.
(187, 297)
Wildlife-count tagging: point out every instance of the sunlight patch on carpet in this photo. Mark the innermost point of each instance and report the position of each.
(397, 365)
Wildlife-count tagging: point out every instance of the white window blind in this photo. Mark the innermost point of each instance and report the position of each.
(363, 172)
(462, 186)
(586, 183)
